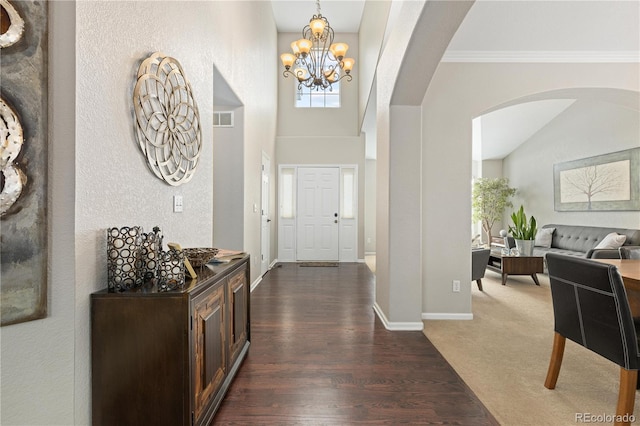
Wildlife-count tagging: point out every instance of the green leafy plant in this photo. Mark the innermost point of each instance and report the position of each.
(490, 198)
(521, 229)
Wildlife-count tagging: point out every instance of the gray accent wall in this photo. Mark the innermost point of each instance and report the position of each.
(587, 128)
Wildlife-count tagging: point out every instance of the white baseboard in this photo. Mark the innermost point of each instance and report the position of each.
(273, 263)
(396, 326)
(446, 316)
(255, 283)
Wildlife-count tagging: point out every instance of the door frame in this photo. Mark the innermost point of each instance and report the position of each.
(348, 230)
(265, 219)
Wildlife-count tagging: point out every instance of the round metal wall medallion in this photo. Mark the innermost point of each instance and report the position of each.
(167, 119)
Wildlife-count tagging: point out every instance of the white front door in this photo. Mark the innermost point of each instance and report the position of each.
(317, 220)
(265, 235)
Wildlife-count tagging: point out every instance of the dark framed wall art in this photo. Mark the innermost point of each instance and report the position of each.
(609, 182)
(23, 157)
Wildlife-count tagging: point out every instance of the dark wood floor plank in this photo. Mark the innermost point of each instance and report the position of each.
(320, 356)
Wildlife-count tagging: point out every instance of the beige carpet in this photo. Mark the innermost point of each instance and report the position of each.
(503, 355)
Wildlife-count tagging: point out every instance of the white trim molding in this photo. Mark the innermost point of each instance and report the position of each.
(446, 316)
(396, 326)
(255, 283)
(545, 56)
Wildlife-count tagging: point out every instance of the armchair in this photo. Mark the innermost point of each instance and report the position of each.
(479, 262)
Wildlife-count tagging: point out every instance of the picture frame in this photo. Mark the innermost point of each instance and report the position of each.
(608, 182)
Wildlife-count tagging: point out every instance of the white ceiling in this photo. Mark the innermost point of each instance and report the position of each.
(583, 30)
(507, 128)
(292, 16)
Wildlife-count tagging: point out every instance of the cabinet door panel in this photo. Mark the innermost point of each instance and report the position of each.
(209, 340)
(238, 310)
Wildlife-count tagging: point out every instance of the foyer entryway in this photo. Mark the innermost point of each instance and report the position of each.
(317, 213)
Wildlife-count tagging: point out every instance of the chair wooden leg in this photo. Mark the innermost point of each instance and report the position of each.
(555, 362)
(626, 396)
(479, 281)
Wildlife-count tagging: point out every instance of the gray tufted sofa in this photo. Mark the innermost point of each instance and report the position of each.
(580, 241)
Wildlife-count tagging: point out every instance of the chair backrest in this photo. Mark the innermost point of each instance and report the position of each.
(479, 261)
(590, 307)
(629, 253)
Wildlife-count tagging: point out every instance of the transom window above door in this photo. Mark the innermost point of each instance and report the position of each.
(307, 97)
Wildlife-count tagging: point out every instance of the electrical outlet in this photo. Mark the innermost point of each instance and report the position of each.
(456, 286)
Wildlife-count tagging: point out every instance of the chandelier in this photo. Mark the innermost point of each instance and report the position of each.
(317, 61)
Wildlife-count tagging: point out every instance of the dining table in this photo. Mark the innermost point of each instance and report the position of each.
(629, 270)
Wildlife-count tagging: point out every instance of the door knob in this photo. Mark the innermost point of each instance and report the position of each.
(335, 221)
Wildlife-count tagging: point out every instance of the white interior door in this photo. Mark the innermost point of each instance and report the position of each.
(317, 220)
(265, 233)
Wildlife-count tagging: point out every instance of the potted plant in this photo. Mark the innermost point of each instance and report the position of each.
(523, 232)
(489, 200)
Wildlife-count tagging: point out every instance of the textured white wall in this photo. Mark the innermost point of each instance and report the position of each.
(114, 187)
(46, 364)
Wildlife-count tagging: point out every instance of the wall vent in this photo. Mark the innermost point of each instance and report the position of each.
(223, 119)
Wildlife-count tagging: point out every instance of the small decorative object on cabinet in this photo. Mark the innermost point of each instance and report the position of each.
(168, 358)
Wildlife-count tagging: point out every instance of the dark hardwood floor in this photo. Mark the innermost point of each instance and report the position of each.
(320, 356)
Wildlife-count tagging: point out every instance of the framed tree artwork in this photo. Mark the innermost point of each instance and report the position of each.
(609, 182)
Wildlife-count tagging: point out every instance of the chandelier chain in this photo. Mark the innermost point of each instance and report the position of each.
(316, 61)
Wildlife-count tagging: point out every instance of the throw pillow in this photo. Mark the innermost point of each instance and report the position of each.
(544, 237)
(612, 241)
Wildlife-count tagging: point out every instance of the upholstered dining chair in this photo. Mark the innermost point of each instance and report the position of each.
(479, 262)
(629, 253)
(590, 307)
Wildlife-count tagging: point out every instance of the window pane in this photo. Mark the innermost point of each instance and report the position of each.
(317, 100)
(287, 193)
(303, 100)
(332, 101)
(310, 98)
(347, 193)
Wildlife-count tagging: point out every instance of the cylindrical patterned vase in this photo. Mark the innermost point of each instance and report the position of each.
(171, 270)
(124, 263)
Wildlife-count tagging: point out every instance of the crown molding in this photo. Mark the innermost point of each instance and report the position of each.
(625, 56)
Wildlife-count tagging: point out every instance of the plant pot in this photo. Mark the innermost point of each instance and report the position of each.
(525, 247)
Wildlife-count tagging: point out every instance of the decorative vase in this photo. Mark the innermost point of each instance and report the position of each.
(124, 262)
(150, 253)
(171, 270)
(525, 247)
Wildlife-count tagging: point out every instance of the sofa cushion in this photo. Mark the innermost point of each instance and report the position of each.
(544, 237)
(612, 241)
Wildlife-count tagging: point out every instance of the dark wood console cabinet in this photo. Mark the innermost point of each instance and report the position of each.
(168, 358)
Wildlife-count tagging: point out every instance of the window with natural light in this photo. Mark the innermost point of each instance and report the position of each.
(286, 209)
(348, 199)
(312, 98)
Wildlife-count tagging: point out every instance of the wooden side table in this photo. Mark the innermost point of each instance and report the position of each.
(516, 265)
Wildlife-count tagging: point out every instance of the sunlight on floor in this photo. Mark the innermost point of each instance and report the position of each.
(370, 260)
